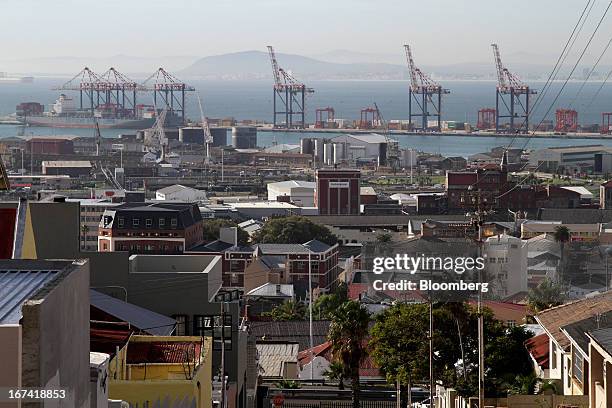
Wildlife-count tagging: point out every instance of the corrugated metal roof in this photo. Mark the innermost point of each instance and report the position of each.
(141, 318)
(18, 283)
(272, 357)
(67, 163)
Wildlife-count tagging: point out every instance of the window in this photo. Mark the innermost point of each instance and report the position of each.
(202, 325)
(174, 222)
(121, 222)
(577, 367)
(511, 323)
(135, 222)
(162, 222)
(211, 326)
(181, 325)
(553, 357)
(149, 222)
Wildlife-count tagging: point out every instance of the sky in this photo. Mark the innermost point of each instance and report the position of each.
(441, 32)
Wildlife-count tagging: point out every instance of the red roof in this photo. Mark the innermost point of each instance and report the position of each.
(7, 226)
(367, 368)
(538, 348)
(163, 352)
(105, 338)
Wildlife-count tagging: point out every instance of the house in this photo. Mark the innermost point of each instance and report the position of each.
(175, 370)
(290, 331)
(266, 297)
(554, 319)
(600, 367)
(277, 360)
(579, 349)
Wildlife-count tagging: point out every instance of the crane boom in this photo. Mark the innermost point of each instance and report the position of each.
(414, 78)
(276, 71)
(501, 71)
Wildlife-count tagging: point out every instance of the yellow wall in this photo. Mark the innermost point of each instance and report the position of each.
(163, 381)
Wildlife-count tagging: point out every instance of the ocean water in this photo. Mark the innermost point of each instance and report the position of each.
(253, 100)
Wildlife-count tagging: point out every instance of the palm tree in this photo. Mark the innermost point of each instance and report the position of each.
(347, 333)
(336, 372)
(289, 310)
(562, 235)
(84, 231)
(544, 296)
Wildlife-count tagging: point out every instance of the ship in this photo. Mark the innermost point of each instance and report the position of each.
(64, 114)
(5, 77)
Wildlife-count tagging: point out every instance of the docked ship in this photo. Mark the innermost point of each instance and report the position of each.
(64, 114)
(5, 77)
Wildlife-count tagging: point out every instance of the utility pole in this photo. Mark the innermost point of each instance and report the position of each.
(310, 315)
(431, 327)
(222, 324)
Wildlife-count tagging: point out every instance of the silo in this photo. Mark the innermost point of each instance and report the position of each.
(306, 146)
(382, 154)
(191, 135)
(244, 137)
(328, 154)
(319, 147)
(219, 136)
(338, 152)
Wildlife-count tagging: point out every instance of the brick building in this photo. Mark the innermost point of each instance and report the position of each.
(338, 191)
(50, 146)
(159, 228)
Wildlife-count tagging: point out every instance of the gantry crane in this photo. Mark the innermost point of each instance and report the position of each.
(425, 93)
(205, 130)
(290, 94)
(516, 106)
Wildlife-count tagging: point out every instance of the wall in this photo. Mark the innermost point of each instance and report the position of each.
(56, 338)
(10, 355)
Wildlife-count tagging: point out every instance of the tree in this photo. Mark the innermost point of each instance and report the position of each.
(347, 333)
(212, 227)
(293, 230)
(383, 237)
(398, 345)
(544, 296)
(325, 305)
(562, 236)
(289, 310)
(337, 372)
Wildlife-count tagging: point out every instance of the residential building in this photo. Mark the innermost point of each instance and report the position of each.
(179, 192)
(278, 360)
(91, 213)
(600, 367)
(172, 370)
(543, 257)
(553, 319)
(605, 195)
(300, 193)
(158, 228)
(578, 232)
(44, 327)
(506, 267)
(265, 298)
(338, 191)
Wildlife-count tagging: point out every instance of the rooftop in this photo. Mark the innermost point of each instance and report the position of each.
(603, 337)
(22, 280)
(553, 319)
(294, 183)
(67, 163)
(577, 331)
(273, 356)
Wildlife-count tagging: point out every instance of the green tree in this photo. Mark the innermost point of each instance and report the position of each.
(325, 305)
(289, 310)
(544, 296)
(562, 236)
(337, 372)
(212, 227)
(293, 230)
(347, 333)
(384, 237)
(398, 343)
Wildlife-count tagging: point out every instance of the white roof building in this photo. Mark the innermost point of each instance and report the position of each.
(300, 193)
(178, 192)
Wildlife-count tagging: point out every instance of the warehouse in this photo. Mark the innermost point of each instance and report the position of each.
(567, 159)
(72, 168)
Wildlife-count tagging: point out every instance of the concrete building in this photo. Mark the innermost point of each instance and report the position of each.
(506, 265)
(265, 209)
(91, 211)
(300, 193)
(338, 191)
(72, 168)
(578, 232)
(567, 158)
(179, 192)
(44, 327)
(169, 228)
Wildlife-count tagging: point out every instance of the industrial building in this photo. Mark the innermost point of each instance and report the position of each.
(72, 168)
(567, 158)
(338, 191)
(300, 193)
(349, 148)
(195, 135)
(244, 137)
(178, 192)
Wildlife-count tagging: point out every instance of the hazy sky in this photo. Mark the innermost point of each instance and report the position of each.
(441, 31)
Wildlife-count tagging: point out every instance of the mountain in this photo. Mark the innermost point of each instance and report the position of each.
(256, 65)
(352, 57)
